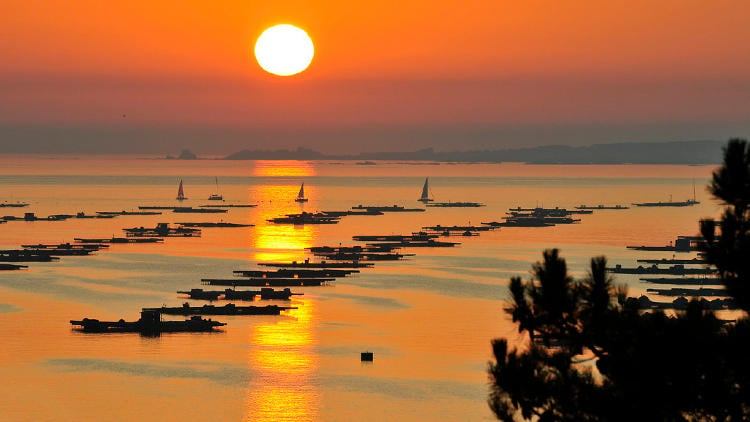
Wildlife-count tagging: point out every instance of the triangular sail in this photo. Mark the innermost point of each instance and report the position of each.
(180, 192)
(425, 191)
(301, 194)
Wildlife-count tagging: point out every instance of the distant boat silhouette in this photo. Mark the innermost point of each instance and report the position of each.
(670, 203)
(180, 193)
(301, 194)
(216, 196)
(425, 191)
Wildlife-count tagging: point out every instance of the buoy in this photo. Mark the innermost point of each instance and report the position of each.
(366, 357)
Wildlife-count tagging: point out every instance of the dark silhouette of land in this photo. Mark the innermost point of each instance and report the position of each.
(186, 154)
(684, 152)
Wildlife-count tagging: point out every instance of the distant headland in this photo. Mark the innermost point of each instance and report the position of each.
(186, 154)
(681, 152)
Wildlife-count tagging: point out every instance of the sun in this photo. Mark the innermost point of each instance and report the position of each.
(284, 50)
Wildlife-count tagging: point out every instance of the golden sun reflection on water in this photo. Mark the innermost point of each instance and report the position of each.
(280, 242)
(283, 168)
(283, 358)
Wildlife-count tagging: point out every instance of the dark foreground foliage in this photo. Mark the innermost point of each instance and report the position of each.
(594, 356)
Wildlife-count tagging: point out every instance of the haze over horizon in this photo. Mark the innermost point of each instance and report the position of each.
(155, 78)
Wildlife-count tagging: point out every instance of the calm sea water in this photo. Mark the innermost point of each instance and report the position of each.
(429, 319)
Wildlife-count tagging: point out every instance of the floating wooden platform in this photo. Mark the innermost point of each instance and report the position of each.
(270, 282)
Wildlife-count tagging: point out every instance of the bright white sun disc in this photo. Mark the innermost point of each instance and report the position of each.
(284, 50)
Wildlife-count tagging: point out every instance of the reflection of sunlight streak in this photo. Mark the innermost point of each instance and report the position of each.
(283, 168)
(282, 355)
(281, 352)
(280, 242)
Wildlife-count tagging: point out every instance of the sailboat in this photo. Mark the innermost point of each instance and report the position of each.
(216, 196)
(425, 191)
(670, 203)
(301, 194)
(180, 193)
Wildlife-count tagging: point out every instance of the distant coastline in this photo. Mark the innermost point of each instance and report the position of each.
(676, 153)
(681, 152)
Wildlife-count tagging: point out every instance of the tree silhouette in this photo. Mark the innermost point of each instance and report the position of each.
(590, 354)
(729, 252)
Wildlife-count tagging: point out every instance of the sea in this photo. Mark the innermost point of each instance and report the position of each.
(429, 319)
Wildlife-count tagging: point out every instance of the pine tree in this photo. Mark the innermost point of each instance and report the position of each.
(592, 355)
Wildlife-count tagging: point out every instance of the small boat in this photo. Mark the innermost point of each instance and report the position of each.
(670, 203)
(11, 267)
(425, 192)
(59, 217)
(301, 194)
(181, 192)
(13, 204)
(216, 196)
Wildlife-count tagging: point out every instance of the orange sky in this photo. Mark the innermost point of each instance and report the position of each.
(512, 66)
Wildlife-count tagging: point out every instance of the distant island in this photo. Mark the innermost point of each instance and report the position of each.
(186, 154)
(681, 152)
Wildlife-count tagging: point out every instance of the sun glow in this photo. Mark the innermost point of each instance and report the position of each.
(284, 50)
